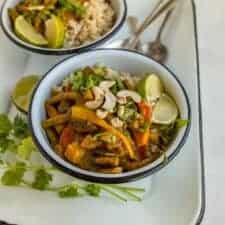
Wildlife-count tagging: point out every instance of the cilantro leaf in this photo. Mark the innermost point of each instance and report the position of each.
(69, 192)
(93, 189)
(92, 80)
(42, 179)
(25, 148)
(181, 123)
(20, 127)
(7, 144)
(83, 82)
(75, 6)
(117, 86)
(78, 81)
(5, 125)
(14, 175)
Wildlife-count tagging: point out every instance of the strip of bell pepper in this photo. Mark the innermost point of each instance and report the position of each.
(66, 137)
(82, 113)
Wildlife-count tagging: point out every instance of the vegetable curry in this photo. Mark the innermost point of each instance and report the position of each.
(104, 121)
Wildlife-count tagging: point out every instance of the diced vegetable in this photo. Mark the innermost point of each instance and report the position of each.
(79, 112)
(57, 120)
(67, 136)
(146, 110)
(74, 153)
(107, 161)
(71, 96)
(142, 138)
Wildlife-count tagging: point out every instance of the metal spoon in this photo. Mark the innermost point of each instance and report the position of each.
(133, 25)
(132, 42)
(149, 20)
(156, 49)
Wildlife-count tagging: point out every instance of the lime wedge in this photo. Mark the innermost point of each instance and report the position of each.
(54, 32)
(165, 111)
(25, 31)
(22, 92)
(150, 87)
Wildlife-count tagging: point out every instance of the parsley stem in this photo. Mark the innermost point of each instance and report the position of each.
(126, 188)
(132, 195)
(4, 167)
(113, 193)
(27, 183)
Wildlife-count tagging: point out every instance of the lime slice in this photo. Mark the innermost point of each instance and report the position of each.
(150, 87)
(22, 92)
(54, 32)
(25, 31)
(165, 111)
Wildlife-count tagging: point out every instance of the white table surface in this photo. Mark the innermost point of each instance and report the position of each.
(211, 24)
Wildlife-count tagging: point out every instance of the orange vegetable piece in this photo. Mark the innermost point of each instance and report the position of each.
(82, 113)
(142, 138)
(67, 136)
(74, 153)
(146, 110)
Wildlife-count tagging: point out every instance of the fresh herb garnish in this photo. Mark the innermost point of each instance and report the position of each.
(25, 148)
(42, 179)
(83, 82)
(168, 131)
(128, 112)
(14, 139)
(5, 125)
(14, 175)
(74, 6)
(118, 86)
(20, 127)
(69, 192)
(181, 123)
(93, 190)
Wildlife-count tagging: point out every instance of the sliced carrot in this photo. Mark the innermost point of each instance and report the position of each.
(142, 138)
(146, 110)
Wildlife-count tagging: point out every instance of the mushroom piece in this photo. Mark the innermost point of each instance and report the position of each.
(122, 101)
(106, 85)
(116, 122)
(132, 94)
(99, 99)
(101, 113)
(110, 101)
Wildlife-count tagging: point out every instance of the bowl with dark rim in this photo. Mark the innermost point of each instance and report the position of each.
(120, 60)
(119, 6)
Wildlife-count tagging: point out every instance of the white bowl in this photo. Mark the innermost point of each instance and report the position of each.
(121, 60)
(120, 7)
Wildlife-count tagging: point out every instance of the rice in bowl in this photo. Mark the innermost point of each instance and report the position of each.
(99, 19)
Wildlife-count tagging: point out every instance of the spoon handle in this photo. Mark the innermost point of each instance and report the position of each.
(168, 15)
(148, 21)
(133, 24)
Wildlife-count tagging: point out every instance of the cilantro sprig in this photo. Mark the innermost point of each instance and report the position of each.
(15, 138)
(75, 6)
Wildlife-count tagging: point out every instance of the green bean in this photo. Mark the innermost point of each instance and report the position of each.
(51, 136)
(72, 96)
(57, 120)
